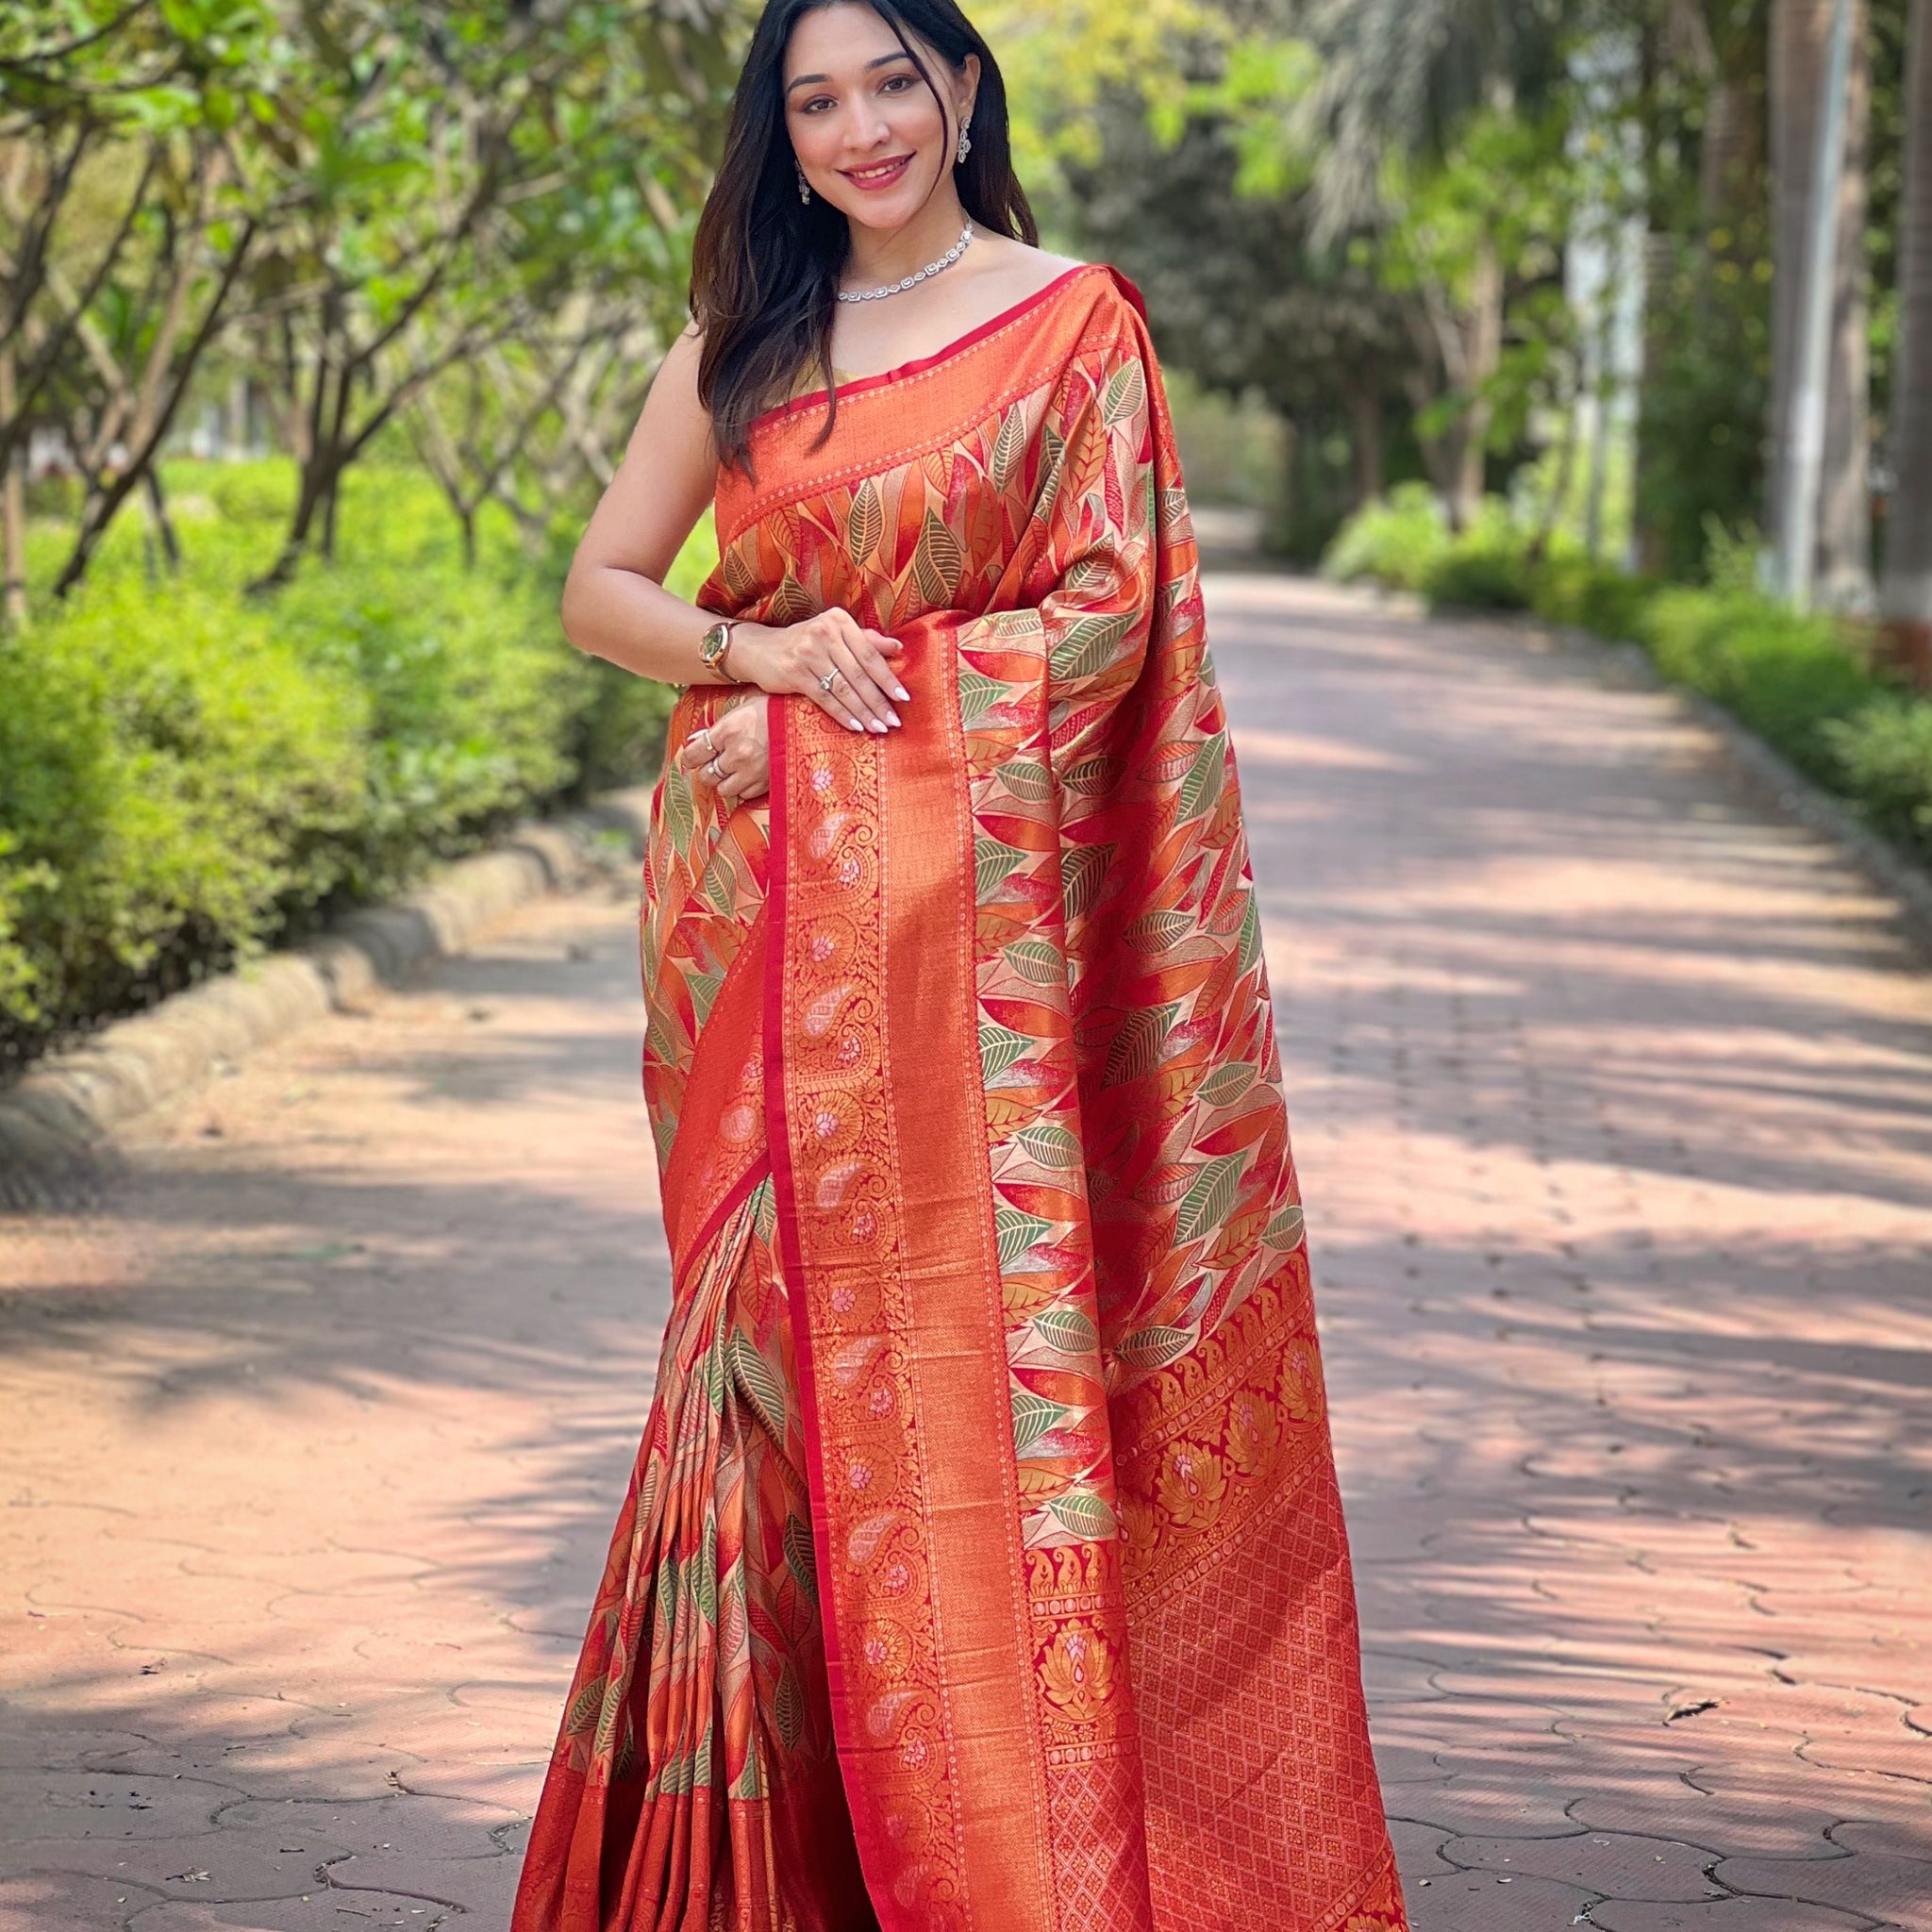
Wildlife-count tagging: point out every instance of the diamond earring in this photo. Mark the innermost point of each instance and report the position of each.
(803, 186)
(965, 146)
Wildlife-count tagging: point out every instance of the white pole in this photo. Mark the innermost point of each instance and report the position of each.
(1798, 537)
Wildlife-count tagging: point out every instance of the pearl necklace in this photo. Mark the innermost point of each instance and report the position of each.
(931, 269)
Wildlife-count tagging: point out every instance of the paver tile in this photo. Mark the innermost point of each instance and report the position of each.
(1618, 1864)
(1726, 1915)
(1897, 1892)
(1611, 1094)
(1489, 1902)
(54, 1900)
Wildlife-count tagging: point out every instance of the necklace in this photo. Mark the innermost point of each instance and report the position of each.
(931, 269)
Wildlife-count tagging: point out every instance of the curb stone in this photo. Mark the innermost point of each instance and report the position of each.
(57, 1121)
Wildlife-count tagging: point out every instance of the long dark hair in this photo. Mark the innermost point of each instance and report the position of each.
(765, 267)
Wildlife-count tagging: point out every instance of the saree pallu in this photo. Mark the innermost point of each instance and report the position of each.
(984, 1570)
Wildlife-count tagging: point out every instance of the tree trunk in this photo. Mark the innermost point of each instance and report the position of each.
(1800, 37)
(235, 438)
(163, 524)
(1290, 509)
(1365, 441)
(12, 507)
(1906, 599)
(1482, 332)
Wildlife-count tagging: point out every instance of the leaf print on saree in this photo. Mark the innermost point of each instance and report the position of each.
(1000, 1028)
(1013, 513)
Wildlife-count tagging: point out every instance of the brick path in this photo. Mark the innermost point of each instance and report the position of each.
(1614, 1106)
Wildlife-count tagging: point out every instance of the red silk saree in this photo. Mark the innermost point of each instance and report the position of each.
(983, 1569)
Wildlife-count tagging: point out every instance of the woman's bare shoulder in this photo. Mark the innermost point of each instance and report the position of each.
(1023, 269)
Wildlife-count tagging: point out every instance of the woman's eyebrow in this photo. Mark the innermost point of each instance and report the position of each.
(826, 79)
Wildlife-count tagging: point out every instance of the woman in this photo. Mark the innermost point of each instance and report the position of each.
(983, 1569)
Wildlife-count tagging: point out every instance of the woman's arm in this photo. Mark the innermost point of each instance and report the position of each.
(615, 605)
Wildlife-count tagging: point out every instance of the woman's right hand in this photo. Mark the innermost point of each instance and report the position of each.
(830, 658)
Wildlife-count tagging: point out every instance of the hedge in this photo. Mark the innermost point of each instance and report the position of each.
(1804, 683)
(188, 773)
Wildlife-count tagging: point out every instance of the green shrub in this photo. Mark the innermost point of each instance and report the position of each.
(1573, 588)
(1391, 540)
(187, 771)
(1479, 571)
(169, 793)
(473, 698)
(1786, 675)
(1884, 753)
(260, 494)
(17, 973)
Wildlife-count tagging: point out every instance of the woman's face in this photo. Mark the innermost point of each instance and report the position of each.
(865, 126)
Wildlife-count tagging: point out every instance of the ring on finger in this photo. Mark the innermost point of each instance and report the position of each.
(704, 738)
(712, 772)
(827, 681)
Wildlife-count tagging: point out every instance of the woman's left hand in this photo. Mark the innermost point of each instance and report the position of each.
(733, 756)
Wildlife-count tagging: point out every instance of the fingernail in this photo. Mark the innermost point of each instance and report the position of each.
(904, 695)
(878, 727)
(852, 725)
(894, 717)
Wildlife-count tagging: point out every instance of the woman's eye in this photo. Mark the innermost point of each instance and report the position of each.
(897, 84)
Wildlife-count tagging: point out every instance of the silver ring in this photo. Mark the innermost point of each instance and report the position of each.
(712, 772)
(827, 681)
(704, 736)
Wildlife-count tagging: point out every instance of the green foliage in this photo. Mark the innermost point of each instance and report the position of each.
(186, 772)
(1785, 674)
(1576, 590)
(1395, 541)
(471, 696)
(1231, 447)
(257, 493)
(1884, 751)
(168, 792)
(1704, 402)
(1484, 569)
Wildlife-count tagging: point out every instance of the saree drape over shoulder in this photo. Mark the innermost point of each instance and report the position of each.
(984, 1569)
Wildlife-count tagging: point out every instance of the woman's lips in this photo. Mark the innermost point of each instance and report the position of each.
(876, 175)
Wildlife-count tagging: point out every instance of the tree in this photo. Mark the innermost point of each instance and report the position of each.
(1800, 33)
(461, 168)
(1240, 298)
(1474, 239)
(1699, 108)
(1905, 595)
(122, 234)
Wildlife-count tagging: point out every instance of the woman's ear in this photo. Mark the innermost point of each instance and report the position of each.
(967, 93)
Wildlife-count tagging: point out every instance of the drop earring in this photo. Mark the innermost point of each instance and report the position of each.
(965, 146)
(803, 186)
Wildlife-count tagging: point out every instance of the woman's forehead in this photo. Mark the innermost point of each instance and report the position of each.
(838, 40)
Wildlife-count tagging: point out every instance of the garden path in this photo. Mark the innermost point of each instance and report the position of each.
(1614, 1105)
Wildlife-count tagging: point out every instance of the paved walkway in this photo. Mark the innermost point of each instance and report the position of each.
(1615, 1114)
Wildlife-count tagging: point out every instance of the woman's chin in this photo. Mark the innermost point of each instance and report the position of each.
(883, 212)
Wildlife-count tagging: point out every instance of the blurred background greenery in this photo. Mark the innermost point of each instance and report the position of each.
(322, 326)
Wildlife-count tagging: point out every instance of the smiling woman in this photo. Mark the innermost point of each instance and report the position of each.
(983, 1569)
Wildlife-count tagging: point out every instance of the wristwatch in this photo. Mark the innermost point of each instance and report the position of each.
(713, 645)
